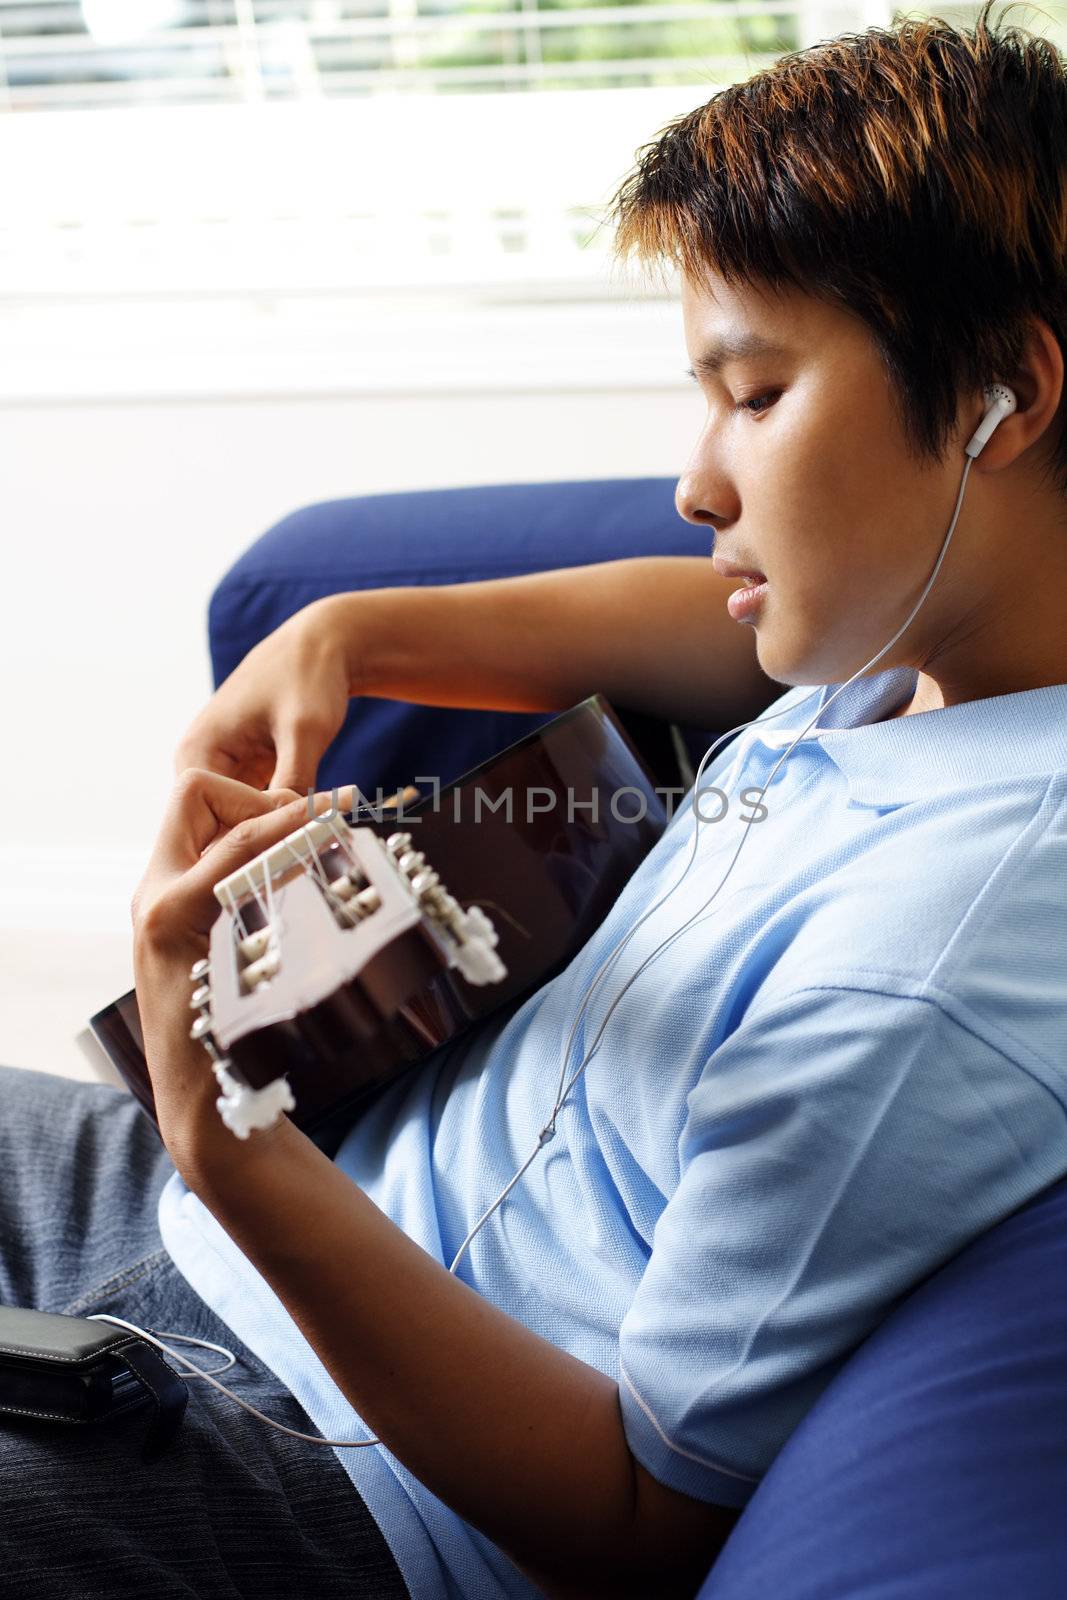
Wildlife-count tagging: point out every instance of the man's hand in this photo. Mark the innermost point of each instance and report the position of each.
(212, 826)
(650, 633)
(270, 722)
(448, 1381)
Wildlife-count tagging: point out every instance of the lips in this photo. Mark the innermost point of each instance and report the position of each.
(727, 569)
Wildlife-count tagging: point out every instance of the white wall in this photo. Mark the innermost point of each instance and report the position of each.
(209, 319)
(119, 518)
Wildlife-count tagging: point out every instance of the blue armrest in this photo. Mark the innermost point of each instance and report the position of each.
(434, 536)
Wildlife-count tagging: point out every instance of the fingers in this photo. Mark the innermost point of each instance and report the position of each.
(241, 844)
(214, 825)
(196, 753)
(202, 807)
(247, 762)
(299, 745)
(203, 745)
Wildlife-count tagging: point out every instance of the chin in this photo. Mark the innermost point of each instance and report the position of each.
(786, 667)
(797, 663)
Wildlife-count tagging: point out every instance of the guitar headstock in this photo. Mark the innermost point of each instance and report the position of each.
(331, 917)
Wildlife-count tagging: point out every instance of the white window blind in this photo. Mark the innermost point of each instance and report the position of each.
(221, 196)
(62, 54)
(248, 145)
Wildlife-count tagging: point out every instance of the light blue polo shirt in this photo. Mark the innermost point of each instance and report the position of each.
(852, 1063)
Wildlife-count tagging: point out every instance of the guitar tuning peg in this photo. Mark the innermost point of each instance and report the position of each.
(345, 887)
(199, 969)
(475, 957)
(255, 944)
(368, 899)
(200, 997)
(201, 1031)
(397, 843)
(258, 971)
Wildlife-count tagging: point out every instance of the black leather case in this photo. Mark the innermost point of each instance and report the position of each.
(69, 1369)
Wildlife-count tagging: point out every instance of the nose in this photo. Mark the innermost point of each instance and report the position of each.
(691, 508)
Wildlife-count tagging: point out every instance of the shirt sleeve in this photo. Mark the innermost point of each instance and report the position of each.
(838, 1147)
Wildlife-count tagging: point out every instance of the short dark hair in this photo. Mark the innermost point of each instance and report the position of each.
(915, 175)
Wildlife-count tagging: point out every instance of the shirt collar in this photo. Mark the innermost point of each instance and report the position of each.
(934, 752)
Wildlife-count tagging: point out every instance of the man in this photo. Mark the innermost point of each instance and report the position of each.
(816, 1084)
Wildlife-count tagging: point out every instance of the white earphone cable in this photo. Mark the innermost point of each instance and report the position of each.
(549, 1129)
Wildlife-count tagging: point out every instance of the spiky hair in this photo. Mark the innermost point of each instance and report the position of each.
(915, 175)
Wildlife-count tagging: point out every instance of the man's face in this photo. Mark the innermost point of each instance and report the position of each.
(801, 473)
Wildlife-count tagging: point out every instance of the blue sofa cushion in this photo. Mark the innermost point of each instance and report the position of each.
(934, 1466)
(435, 536)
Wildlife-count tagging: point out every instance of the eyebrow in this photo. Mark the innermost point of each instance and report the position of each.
(732, 347)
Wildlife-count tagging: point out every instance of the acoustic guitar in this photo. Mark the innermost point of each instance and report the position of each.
(345, 955)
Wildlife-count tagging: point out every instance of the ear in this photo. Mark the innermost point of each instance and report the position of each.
(1038, 386)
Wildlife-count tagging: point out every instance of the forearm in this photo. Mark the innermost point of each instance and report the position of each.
(519, 1438)
(650, 633)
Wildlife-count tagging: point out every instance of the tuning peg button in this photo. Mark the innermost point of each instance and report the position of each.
(199, 969)
(201, 1029)
(201, 1032)
(265, 967)
(344, 888)
(255, 944)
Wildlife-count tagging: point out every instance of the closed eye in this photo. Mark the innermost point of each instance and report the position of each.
(757, 401)
(755, 406)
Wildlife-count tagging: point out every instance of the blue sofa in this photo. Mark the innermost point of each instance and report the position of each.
(934, 1464)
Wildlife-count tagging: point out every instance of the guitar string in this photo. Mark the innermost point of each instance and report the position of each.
(314, 861)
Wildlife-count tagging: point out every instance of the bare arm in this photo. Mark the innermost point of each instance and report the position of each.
(517, 1436)
(651, 633)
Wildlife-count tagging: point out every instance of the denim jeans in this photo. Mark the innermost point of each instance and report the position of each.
(234, 1508)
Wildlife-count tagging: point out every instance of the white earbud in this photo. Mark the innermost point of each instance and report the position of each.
(1000, 403)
